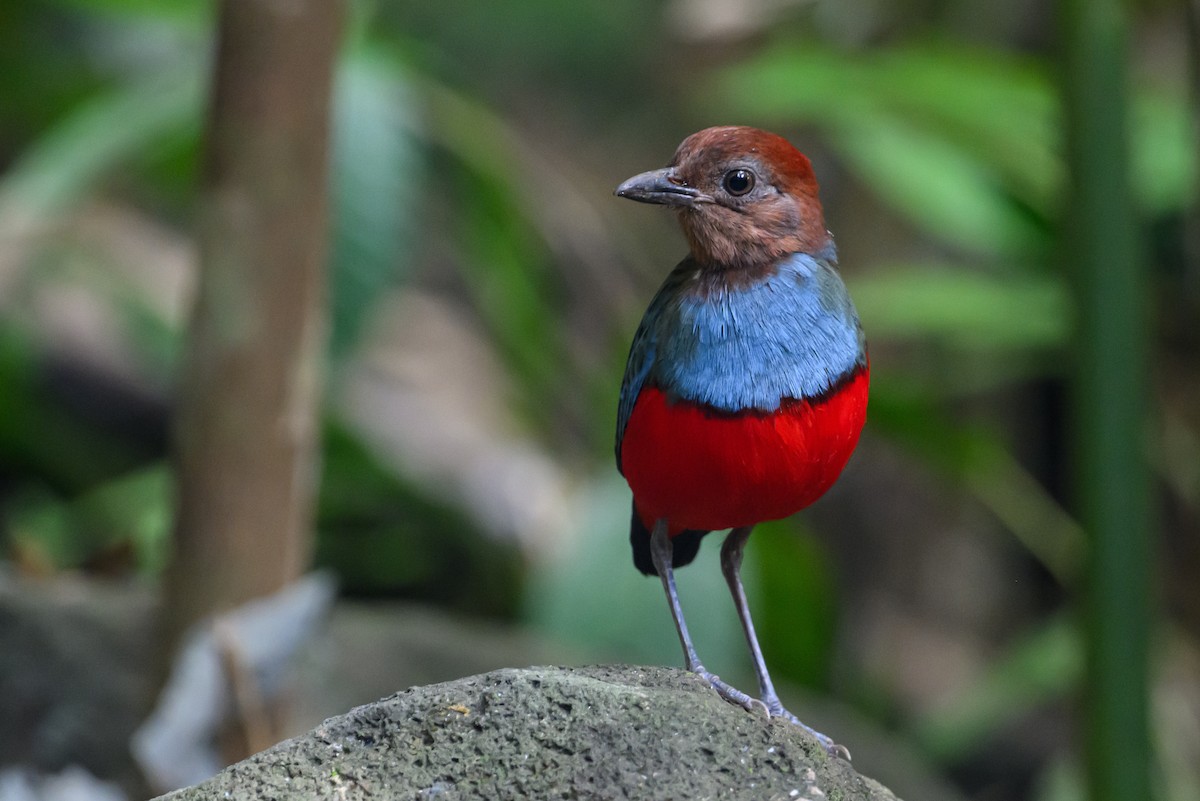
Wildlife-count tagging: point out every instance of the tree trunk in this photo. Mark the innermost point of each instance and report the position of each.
(245, 429)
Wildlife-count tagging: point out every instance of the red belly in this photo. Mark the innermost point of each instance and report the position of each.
(709, 470)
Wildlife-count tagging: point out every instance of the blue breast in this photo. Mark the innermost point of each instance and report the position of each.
(738, 344)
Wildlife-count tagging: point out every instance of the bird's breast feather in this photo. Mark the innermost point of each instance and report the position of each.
(790, 334)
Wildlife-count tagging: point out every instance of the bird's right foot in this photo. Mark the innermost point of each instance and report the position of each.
(775, 709)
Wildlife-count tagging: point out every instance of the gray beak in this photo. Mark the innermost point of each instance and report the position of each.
(662, 187)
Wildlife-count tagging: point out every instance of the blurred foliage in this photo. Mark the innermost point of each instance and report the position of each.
(794, 587)
(378, 174)
(966, 313)
(617, 614)
(1045, 665)
(474, 150)
(41, 436)
(966, 143)
(384, 538)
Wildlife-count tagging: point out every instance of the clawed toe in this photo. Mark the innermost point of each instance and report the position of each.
(832, 748)
(772, 708)
(732, 694)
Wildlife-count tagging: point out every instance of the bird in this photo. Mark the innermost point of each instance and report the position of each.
(745, 390)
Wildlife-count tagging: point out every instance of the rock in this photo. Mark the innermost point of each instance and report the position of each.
(74, 675)
(607, 732)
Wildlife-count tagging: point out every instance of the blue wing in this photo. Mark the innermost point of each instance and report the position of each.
(644, 350)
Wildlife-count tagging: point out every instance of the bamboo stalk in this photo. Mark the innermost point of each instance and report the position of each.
(1110, 406)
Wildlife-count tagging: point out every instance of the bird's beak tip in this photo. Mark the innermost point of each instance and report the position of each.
(657, 186)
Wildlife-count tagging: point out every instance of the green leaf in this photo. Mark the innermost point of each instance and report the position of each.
(132, 509)
(999, 108)
(939, 185)
(109, 130)
(377, 179)
(1164, 152)
(135, 508)
(962, 309)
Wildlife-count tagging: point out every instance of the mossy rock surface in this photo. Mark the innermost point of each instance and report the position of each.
(605, 732)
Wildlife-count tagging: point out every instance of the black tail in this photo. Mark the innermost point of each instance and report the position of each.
(686, 545)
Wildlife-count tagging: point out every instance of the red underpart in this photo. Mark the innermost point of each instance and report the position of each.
(709, 470)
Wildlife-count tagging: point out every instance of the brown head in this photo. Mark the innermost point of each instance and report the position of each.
(745, 197)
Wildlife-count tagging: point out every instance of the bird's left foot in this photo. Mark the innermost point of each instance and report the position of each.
(732, 694)
(776, 710)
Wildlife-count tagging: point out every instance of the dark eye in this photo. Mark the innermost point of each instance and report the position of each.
(738, 182)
